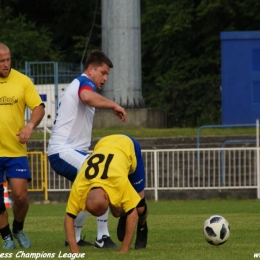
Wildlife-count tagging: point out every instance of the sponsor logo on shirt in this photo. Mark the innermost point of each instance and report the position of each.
(7, 101)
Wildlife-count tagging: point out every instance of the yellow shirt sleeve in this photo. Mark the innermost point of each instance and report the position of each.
(72, 207)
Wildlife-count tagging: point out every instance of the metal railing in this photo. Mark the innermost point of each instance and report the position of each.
(38, 167)
(176, 169)
(172, 169)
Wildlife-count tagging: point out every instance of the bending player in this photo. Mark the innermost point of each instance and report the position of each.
(113, 176)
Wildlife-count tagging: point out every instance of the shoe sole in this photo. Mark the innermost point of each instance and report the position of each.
(96, 246)
(9, 248)
(66, 244)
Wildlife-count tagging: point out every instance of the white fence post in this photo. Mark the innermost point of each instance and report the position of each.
(257, 160)
(155, 177)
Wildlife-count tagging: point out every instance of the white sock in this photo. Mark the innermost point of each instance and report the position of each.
(102, 225)
(78, 223)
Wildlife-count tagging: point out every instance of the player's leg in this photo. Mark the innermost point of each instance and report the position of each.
(4, 225)
(142, 229)
(142, 209)
(67, 165)
(20, 208)
(78, 224)
(137, 179)
(18, 175)
(103, 239)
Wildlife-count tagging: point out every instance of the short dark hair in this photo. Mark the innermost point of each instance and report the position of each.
(97, 58)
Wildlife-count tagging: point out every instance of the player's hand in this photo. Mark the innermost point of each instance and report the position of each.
(121, 251)
(25, 134)
(120, 113)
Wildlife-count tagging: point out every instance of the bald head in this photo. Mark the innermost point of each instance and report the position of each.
(3, 47)
(97, 202)
(5, 61)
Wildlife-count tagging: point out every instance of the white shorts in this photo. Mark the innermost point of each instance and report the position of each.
(68, 163)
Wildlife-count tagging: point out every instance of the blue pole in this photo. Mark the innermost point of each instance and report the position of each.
(223, 155)
(214, 126)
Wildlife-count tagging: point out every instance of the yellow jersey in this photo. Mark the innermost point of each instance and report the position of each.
(108, 167)
(16, 92)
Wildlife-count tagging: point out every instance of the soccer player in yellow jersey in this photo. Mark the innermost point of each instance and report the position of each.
(113, 176)
(16, 92)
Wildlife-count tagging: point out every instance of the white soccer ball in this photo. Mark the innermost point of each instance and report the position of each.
(216, 230)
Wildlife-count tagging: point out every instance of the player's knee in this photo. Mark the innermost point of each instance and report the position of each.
(20, 200)
(142, 204)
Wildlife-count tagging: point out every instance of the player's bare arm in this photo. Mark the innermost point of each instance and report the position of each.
(131, 222)
(36, 117)
(70, 234)
(93, 99)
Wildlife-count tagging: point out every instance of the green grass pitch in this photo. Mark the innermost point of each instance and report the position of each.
(175, 231)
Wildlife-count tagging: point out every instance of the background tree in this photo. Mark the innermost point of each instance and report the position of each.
(26, 42)
(181, 59)
(69, 21)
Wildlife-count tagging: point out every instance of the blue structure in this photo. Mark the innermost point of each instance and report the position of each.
(240, 73)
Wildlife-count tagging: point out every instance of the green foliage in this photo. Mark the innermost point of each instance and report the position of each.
(26, 41)
(181, 59)
(191, 104)
(69, 22)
